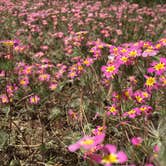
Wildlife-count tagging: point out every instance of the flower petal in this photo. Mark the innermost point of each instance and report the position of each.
(110, 148)
(74, 147)
(122, 157)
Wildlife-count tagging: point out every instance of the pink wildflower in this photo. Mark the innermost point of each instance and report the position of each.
(110, 70)
(87, 142)
(156, 148)
(88, 61)
(112, 156)
(112, 110)
(34, 99)
(44, 77)
(158, 67)
(99, 130)
(4, 98)
(151, 82)
(136, 141)
(53, 86)
(145, 109)
(132, 113)
(24, 81)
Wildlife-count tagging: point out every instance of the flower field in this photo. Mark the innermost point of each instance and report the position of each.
(82, 83)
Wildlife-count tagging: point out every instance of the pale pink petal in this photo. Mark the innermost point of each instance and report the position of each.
(122, 157)
(74, 147)
(110, 148)
(99, 138)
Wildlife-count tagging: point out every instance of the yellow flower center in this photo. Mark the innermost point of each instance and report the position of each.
(86, 62)
(124, 59)
(133, 53)
(123, 50)
(111, 158)
(131, 112)
(87, 142)
(159, 66)
(139, 98)
(158, 45)
(72, 74)
(80, 68)
(149, 50)
(150, 81)
(110, 68)
(4, 100)
(112, 109)
(100, 46)
(145, 94)
(143, 109)
(22, 82)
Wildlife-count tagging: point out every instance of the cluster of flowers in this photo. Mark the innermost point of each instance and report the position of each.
(119, 56)
(72, 28)
(72, 22)
(94, 149)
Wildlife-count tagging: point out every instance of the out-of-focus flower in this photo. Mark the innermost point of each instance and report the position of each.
(113, 156)
(44, 77)
(136, 141)
(99, 130)
(4, 98)
(132, 113)
(149, 52)
(112, 110)
(24, 81)
(87, 143)
(53, 86)
(34, 99)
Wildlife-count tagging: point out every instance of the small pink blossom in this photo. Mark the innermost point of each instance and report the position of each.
(158, 67)
(112, 156)
(87, 142)
(136, 141)
(34, 99)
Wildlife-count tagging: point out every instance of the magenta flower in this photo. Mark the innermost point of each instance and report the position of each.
(112, 156)
(162, 80)
(44, 77)
(149, 164)
(136, 141)
(4, 98)
(87, 142)
(139, 97)
(112, 110)
(134, 52)
(151, 82)
(99, 130)
(158, 67)
(145, 109)
(34, 99)
(156, 148)
(53, 86)
(88, 61)
(128, 93)
(24, 81)
(132, 113)
(110, 70)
